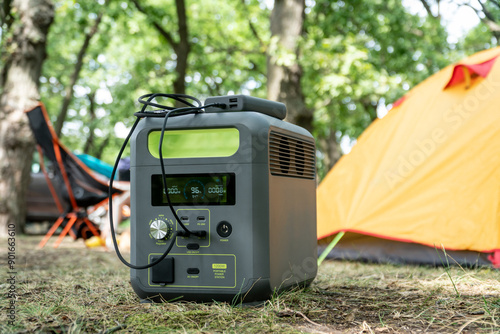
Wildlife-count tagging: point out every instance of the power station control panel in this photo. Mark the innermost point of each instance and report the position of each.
(191, 262)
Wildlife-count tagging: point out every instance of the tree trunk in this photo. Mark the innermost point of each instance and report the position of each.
(6, 20)
(89, 144)
(283, 70)
(20, 92)
(182, 49)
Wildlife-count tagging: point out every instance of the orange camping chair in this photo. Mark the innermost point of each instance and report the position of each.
(78, 188)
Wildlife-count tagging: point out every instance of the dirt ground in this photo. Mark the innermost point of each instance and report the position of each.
(73, 289)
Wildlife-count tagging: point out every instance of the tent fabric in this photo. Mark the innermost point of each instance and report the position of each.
(359, 247)
(429, 171)
(461, 71)
(96, 165)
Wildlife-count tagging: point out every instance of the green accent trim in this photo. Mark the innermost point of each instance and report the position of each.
(330, 247)
(195, 143)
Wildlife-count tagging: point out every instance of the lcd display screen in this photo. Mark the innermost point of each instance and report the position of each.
(194, 189)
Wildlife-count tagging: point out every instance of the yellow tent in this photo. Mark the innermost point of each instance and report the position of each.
(428, 173)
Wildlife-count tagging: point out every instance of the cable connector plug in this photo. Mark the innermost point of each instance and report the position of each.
(200, 234)
(183, 233)
(220, 105)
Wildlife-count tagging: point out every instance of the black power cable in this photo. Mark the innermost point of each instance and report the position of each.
(165, 112)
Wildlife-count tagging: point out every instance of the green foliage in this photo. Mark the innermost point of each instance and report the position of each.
(479, 38)
(226, 55)
(129, 58)
(363, 55)
(357, 58)
(486, 34)
(72, 21)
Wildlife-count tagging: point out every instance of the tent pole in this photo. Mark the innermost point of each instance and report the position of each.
(330, 247)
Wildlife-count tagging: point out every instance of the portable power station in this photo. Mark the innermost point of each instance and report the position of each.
(245, 177)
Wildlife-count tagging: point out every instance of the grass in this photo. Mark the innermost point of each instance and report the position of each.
(77, 290)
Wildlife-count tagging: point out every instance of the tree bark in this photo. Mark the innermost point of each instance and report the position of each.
(6, 20)
(89, 144)
(20, 93)
(182, 49)
(75, 75)
(284, 73)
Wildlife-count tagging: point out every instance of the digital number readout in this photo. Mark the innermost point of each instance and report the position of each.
(194, 189)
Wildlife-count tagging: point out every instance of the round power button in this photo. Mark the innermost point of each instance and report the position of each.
(224, 229)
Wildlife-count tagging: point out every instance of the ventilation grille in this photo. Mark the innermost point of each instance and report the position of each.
(292, 157)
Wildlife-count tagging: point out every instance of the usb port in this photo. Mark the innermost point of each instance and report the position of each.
(185, 218)
(201, 218)
(234, 99)
(233, 105)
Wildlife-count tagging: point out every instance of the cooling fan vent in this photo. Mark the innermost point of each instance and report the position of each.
(290, 156)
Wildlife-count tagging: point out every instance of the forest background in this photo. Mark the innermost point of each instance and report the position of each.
(338, 65)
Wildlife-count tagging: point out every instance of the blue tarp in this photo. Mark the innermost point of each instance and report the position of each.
(96, 165)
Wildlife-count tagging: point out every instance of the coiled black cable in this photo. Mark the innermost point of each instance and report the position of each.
(159, 110)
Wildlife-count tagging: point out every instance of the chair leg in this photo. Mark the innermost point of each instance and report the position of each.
(65, 231)
(51, 231)
(73, 235)
(91, 227)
